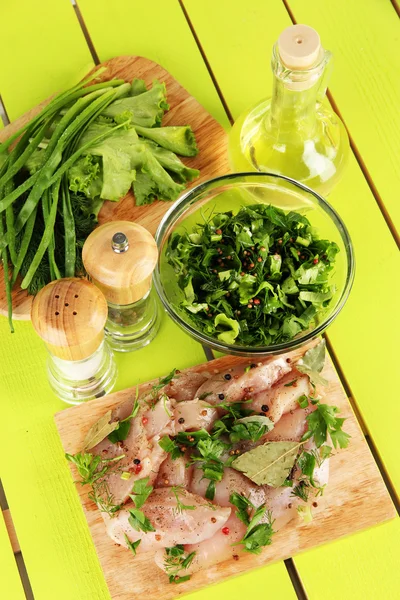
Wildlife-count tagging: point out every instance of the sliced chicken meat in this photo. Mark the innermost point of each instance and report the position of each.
(141, 444)
(196, 414)
(232, 481)
(185, 385)
(171, 525)
(281, 397)
(237, 384)
(223, 545)
(174, 472)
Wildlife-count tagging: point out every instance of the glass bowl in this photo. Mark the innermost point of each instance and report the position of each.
(230, 192)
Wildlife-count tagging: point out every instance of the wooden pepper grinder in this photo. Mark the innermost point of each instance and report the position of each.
(120, 258)
(69, 315)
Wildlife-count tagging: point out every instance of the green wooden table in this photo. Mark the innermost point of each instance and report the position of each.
(219, 50)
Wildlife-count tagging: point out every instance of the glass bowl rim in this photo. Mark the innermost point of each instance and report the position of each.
(237, 349)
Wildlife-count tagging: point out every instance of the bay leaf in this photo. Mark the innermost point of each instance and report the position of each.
(261, 420)
(312, 363)
(99, 430)
(268, 464)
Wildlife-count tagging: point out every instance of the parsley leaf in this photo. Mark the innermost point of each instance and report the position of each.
(258, 534)
(139, 521)
(323, 422)
(132, 545)
(171, 447)
(141, 491)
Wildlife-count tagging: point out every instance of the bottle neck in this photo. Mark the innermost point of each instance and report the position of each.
(294, 101)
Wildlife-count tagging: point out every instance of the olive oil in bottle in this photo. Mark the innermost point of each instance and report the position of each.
(295, 132)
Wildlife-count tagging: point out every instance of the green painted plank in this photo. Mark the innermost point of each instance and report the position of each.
(158, 31)
(363, 566)
(43, 50)
(267, 582)
(10, 582)
(364, 39)
(55, 540)
(365, 335)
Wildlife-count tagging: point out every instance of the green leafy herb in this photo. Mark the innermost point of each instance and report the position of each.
(180, 492)
(162, 382)
(139, 521)
(141, 491)
(176, 562)
(322, 423)
(121, 432)
(209, 461)
(268, 464)
(132, 545)
(171, 447)
(263, 274)
(258, 534)
(250, 428)
(94, 471)
(312, 363)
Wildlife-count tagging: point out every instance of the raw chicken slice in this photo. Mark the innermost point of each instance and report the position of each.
(174, 472)
(141, 444)
(214, 550)
(171, 525)
(291, 426)
(185, 385)
(236, 384)
(196, 414)
(232, 481)
(282, 398)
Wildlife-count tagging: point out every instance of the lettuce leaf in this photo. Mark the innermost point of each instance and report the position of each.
(177, 139)
(146, 109)
(172, 163)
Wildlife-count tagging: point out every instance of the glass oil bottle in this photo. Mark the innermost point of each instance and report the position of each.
(295, 132)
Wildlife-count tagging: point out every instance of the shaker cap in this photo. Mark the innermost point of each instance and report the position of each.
(299, 47)
(69, 315)
(120, 257)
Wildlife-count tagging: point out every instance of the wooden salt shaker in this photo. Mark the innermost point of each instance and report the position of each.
(120, 258)
(69, 315)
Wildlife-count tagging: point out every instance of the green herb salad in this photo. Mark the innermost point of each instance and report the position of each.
(258, 277)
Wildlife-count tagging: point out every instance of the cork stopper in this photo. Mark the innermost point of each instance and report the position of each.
(69, 315)
(120, 257)
(299, 47)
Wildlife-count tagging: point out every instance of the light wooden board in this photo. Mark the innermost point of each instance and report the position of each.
(356, 498)
(185, 110)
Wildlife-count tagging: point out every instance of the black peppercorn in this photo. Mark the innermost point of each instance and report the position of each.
(221, 396)
(253, 366)
(136, 461)
(265, 408)
(181, 420)
(228, 376)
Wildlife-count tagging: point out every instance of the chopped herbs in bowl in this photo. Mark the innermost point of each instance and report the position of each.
(253, 263)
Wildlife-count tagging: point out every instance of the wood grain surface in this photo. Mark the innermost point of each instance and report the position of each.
(356, 498)
(184, 110)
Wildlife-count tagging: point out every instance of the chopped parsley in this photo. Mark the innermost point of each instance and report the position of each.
(132, 545)
(141, 491)
(258, 277)
(258, 534)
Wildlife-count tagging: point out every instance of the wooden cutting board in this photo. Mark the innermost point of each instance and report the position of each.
(212, 159)
(355, 498)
